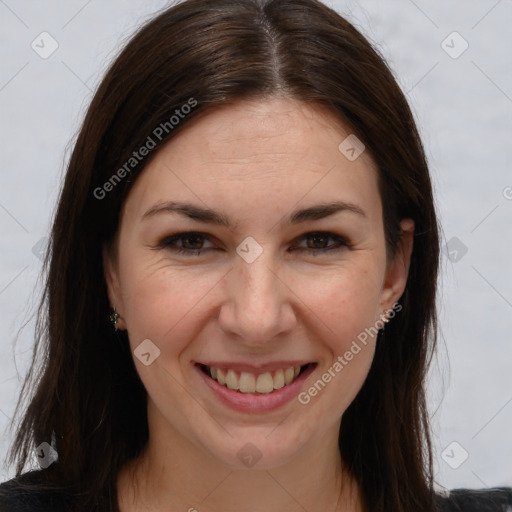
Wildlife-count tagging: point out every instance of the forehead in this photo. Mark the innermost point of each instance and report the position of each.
(265, 130)
(254, 153)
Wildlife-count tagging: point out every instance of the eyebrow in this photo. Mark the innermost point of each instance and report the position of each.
(207, 215)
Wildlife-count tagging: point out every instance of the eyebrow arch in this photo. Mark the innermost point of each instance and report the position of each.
(207, 215)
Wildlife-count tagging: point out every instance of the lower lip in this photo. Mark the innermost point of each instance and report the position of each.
(254, 402)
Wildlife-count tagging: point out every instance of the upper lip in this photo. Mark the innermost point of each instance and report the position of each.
(254, 368)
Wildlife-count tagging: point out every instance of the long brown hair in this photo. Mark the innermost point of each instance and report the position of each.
(83, 387)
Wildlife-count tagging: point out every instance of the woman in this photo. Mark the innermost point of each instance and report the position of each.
(240, 302)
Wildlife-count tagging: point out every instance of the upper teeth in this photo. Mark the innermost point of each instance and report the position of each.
(249, 383)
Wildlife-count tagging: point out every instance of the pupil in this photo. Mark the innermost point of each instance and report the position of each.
(316, 238)
(196, 238)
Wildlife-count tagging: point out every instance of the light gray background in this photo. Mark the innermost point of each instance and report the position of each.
(464, 109)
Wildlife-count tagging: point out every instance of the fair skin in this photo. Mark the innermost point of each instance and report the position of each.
(256, 162)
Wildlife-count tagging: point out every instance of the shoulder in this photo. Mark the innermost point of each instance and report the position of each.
(31, 492)
(497, 499)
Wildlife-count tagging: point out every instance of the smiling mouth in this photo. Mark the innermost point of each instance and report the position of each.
(246, 382)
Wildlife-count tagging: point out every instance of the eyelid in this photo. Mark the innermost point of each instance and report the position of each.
(168, 241)
(340, 243)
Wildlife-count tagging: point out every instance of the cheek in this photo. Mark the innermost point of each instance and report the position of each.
(346, 315)
(163, 303)
(344, 302)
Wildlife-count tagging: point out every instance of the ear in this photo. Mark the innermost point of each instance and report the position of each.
(397, 270)
(111, 274)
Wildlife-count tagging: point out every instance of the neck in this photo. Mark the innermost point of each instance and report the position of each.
(185, 478)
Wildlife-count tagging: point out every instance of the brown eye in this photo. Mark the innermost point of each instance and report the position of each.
(185, 243)
(193, 241)
(317, 241)
(321, 242)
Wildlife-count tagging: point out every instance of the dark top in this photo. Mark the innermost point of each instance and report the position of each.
(16, 497)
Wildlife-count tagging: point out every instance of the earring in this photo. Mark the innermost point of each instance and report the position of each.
(386, 320)
(114, 318)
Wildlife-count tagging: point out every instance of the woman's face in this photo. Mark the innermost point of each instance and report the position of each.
(251, 245)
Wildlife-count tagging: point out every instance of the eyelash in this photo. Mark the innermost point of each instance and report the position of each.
(169, 243)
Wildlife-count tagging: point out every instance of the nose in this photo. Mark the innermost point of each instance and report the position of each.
(259, 304)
